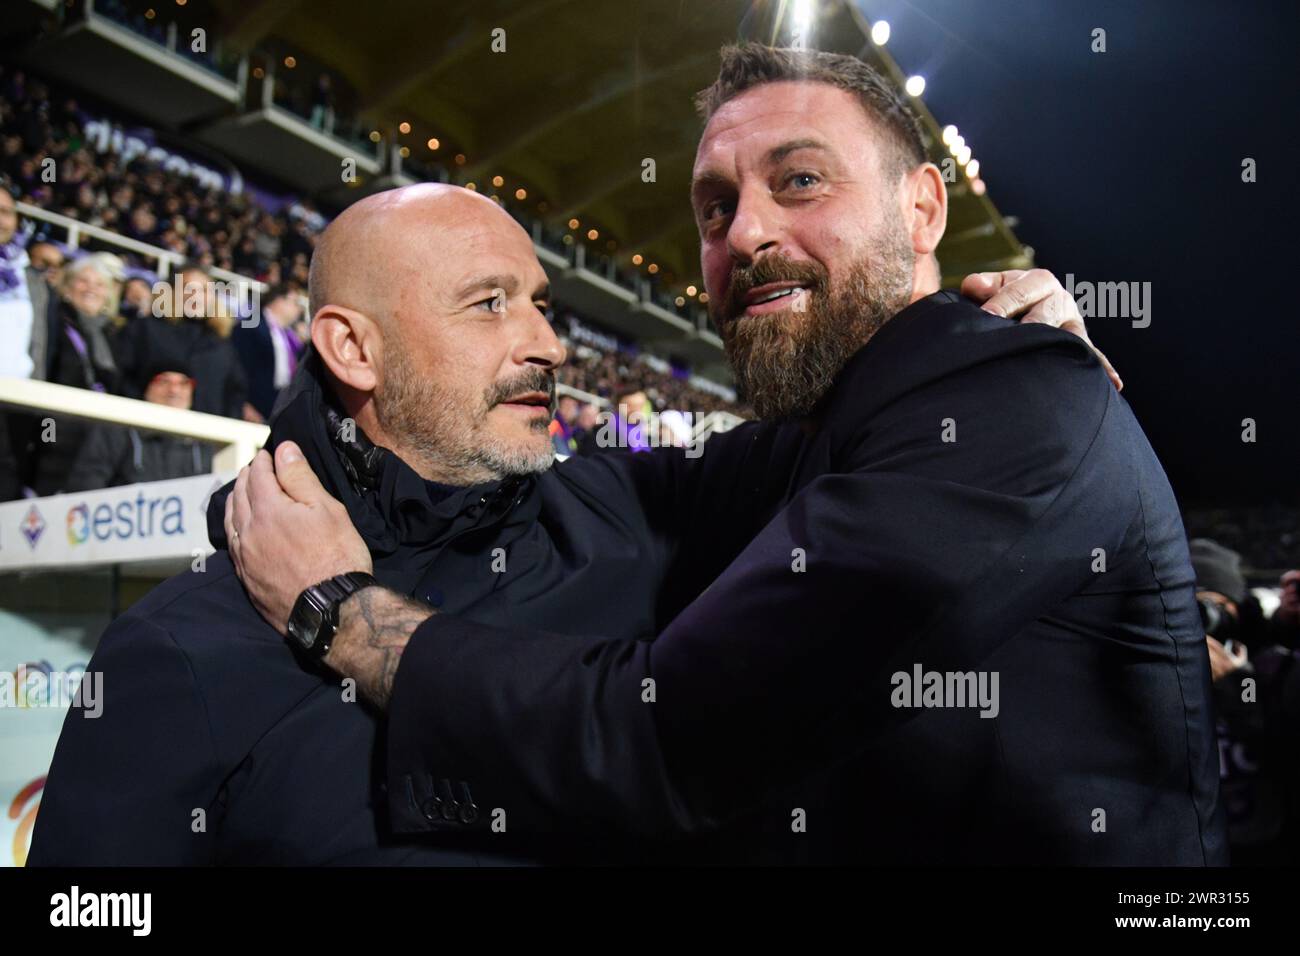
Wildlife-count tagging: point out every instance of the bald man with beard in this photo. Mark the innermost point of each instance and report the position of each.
(423, 412)
(424, 407)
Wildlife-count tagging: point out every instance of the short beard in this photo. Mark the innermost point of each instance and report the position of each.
(451, 442)
(785, 362)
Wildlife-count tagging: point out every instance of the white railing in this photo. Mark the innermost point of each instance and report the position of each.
(238, 441)
(585, 397)
(166, 259)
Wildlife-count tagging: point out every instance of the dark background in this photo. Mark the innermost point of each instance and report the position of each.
(1126, 166)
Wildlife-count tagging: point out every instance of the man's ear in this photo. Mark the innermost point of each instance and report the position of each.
(929, 208)
(349, 343)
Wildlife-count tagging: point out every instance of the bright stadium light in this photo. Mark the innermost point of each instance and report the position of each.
(977, 187)
(915, 85)
(801, 18)
(949, 134)
(880, 32)
(957, 143)
(973, 169)
(963, 157)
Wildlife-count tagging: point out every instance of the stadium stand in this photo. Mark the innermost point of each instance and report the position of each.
(106, 195)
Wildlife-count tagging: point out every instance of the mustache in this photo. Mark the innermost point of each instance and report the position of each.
(532, 380)
(774, 268)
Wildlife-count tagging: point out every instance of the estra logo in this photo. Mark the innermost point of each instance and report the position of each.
(78, 524)
(137, 517)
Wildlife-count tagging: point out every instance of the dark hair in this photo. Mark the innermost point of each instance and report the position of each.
(193, 265)
(747, 65)
(277, 291)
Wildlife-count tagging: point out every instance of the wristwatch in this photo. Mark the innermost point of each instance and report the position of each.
(315, 616)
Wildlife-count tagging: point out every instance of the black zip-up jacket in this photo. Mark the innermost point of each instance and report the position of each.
(976, 504)
(526, 702)
(217, 744)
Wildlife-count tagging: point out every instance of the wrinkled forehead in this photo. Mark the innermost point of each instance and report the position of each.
(752, 128)
(470, 241)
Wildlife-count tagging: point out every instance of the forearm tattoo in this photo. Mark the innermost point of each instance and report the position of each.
(375, 625)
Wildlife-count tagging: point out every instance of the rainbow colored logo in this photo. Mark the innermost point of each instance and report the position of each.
(26, 820)
(20, 679)
(78, 524)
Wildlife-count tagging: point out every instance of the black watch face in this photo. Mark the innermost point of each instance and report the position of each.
(305, 624)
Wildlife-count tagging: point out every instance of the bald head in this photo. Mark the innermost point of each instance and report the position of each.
(429, 311)
(363, 255)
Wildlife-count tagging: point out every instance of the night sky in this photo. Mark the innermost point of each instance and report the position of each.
(1126, 166)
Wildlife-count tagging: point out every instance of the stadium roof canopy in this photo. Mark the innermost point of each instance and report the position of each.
(573, 96)
(554, 106)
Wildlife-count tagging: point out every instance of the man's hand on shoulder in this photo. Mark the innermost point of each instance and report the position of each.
(286, 533)
(1033, 296)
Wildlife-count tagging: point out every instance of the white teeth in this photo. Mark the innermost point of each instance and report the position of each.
(778, 294)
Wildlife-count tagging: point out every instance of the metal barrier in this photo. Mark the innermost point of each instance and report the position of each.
(166, 259)
(239, 441)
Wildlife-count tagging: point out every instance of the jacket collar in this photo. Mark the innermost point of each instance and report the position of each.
(389, 503)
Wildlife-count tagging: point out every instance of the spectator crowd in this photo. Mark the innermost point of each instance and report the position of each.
(90, 316)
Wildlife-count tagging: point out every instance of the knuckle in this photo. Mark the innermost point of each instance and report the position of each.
(1068, 306)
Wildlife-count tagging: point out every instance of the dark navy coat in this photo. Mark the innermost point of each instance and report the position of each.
(217, 744)
(976, 501)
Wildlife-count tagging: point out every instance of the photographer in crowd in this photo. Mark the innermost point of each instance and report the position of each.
(1257, 698)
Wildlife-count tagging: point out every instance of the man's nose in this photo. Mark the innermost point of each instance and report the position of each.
(755, 227)
(540, 346)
